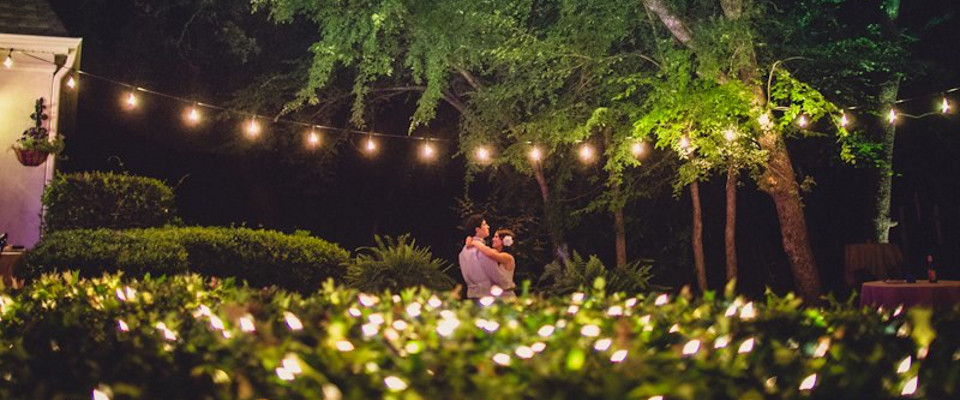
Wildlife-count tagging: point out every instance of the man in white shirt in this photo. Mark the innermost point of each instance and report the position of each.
(479, 271)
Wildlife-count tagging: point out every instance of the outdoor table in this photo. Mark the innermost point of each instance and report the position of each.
(8, 259)
(894, 293)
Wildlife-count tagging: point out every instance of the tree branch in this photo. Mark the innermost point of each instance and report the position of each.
(673, 23)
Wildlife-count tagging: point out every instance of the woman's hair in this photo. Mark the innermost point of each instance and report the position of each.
(502, 233)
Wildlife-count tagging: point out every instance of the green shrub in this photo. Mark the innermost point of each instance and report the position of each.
(92, 200)
(577, 273)
(62, 338)
(260, 257)
(396, 264)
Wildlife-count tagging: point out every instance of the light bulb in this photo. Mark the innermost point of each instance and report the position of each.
(730, 135)
(586, 153)
(131, 100)
(892, 116)
(802, 121)
(193, 116)
(428, 151)
(637, 149)
(483, 154)
(253, 128)
(843, 119)
(313, 139)
(536, 154)
(71, 83)
(945, 106)
(370, 145)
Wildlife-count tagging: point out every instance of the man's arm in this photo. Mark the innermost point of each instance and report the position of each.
(489, 267)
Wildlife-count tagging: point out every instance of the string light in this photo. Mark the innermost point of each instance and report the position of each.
(535, 154)
(192, 115)
(370, 145)
(730, 134)
(892, 116)
(427, 151)
(843, 119)
(8, 62)
(637, 149)
(483, 154)
(945, 106)
(313, 139)
(586, 153)
(130, 101)
(253, 128)
(802, 121)
(71, 82)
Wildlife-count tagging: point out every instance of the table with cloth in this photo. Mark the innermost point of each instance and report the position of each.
(944, 294)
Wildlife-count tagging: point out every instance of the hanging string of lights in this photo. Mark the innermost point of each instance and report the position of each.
(193, 115)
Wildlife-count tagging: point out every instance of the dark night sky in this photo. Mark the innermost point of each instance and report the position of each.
(222, 179)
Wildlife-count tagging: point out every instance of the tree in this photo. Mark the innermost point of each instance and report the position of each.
(731, 41)
(522, 75)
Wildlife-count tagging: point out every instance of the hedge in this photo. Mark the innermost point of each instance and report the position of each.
(91, 200)
(186, 338)
(260, 257)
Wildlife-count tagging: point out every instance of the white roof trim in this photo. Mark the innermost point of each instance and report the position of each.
(40, 44)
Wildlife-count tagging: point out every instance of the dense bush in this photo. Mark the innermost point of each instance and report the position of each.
(577, 273)
(92, 200)
(183, 338)
(396, 264)
(260, 257)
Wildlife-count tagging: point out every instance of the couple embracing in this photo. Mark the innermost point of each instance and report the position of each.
(486, 266)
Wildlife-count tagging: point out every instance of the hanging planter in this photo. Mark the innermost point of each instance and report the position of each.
(31, 158)
(36, 145)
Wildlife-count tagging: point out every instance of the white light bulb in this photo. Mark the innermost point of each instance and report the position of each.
(193, 115)
(483, 154)
(131, 101)
(428, 151)
(253, 128)
(371, 145)
(910, 387)
(313, 139)
(802, 121)
(945, 106)
(71, 83)
(536, 154)
(637, 149)
(809, 382)
(892, 116)
(586, 153)
(730, 135)
(843, 119)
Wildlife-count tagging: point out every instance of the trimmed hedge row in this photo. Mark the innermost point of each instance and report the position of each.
(184, 337)
(260, 257)
(91, 200)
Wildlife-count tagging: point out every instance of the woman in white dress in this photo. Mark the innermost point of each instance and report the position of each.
(500, 252)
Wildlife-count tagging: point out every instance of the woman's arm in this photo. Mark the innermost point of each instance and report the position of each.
(500, 258)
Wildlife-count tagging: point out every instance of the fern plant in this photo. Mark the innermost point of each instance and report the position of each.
(395, 264)
(577, 274)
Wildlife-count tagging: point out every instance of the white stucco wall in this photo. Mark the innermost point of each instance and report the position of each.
(21, 187)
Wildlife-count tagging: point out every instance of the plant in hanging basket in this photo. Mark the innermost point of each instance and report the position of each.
(36, 144)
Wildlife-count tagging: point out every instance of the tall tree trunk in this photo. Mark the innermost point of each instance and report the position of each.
(618, 227)
(779, 183)
(730, 230)
(881, 221)
(888, 96)
(697, 239)
(556, 238)
(778, 179)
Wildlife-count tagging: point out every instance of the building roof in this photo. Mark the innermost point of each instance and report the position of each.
(30, 17)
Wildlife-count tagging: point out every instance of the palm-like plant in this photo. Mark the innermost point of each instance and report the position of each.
(394, 264)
